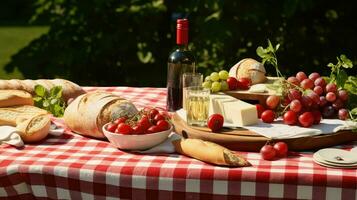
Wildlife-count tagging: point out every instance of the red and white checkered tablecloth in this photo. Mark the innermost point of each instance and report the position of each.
(76, 167)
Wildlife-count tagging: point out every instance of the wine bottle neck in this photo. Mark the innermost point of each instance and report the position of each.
(182, 32)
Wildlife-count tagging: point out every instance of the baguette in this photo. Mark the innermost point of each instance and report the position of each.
(15, 97)
(69, 89)
(31, 122)
(209, 152)
(87, 114)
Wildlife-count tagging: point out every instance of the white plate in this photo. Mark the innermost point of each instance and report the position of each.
(319, 160)
(337, 156)
(333, 166)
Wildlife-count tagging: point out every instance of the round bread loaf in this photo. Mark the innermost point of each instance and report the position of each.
(249, 68)
(87, 114)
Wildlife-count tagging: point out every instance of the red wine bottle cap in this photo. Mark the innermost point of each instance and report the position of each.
(182, 31)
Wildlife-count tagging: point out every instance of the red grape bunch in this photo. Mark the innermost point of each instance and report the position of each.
(305, 101)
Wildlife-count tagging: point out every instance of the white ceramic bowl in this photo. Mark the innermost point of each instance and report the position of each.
(136, 142)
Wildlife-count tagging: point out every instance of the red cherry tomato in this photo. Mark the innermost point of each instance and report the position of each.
(244, 83)
(215, 122)
(120, 120)
(268, 116)
(138, 129)
(281, 149)
(232, 83)
(260, 109)
(268, 152)
(306, 119)
(111, 127)
(144, 122)
(124, 129)
(165, 114)
(290, 117)
(163, 125)
(153, 129)
(153, 113)
(158, 117)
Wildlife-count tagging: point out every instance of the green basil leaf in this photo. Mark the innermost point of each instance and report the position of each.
(351, 85)
(341, 78)
(277, 47)
(56, 92)
(40, 90)
(346, 63)
(53, 101)
(58, 110)
(330, 65)
(39, 102)
(354, 111)
(261, 52)
(270, 46)
(37, 99)
(45, 103)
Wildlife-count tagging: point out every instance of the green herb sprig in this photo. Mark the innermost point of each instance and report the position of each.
(50, 100)
(268, 55)
(343, 81)
(338, 75)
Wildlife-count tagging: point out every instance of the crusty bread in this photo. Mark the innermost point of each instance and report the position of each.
(15, 97)
(26, 109)
(32, 123)
(209, 152)
(249, 68)
(87, 114)
(15, 114)
(70, 89)
(35, 128)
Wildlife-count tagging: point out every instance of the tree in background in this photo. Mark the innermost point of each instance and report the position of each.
(127, 42)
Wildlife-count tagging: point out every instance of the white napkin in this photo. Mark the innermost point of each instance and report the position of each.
(279, 130)
(9, 135)
(164, 147)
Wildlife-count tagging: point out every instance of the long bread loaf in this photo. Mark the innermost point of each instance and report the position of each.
(209, 152)
(70, 89)
(15, 97)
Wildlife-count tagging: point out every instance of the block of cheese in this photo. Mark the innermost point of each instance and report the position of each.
(234, 111)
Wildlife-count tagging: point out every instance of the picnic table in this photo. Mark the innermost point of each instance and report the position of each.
(76, 167)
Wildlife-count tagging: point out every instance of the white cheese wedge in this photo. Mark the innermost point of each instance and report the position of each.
(234, 111)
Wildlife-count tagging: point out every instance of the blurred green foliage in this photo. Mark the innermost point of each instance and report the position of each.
(96, 42)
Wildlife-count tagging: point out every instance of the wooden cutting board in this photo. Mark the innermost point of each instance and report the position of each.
(253, 97)
(245, 140)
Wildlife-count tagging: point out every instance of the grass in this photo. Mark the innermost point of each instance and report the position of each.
(12, 39)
